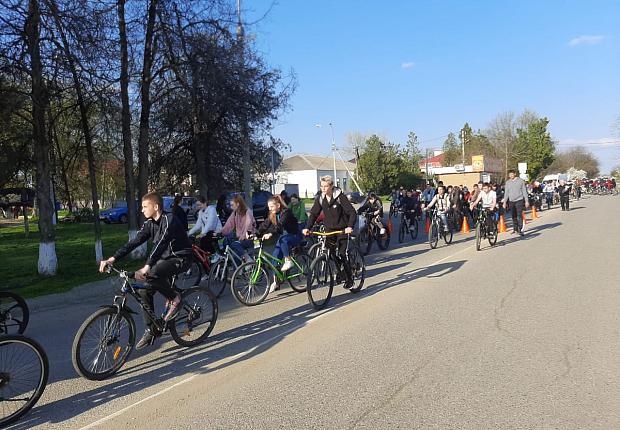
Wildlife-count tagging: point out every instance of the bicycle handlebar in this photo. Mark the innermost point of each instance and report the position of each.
(331, 233)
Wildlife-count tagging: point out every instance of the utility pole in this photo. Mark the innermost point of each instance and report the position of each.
(463, 146)
(331, 127)
(426, 164)
(247, 179)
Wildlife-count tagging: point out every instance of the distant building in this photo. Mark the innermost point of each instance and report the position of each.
(305, 172)
(434, 162)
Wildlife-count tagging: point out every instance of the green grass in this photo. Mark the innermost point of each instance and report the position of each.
(75, 249)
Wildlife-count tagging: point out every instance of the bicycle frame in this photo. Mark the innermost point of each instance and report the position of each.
(265, 258)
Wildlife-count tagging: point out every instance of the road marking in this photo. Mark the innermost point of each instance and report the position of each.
(234, 357)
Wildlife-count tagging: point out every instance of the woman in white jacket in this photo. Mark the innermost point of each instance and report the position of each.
(207, 224)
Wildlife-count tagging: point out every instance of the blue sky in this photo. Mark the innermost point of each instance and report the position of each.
(429, 66)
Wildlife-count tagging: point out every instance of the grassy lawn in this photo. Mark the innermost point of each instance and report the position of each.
(75, 250)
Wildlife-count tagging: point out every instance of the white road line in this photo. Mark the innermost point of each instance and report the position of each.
(234, 357)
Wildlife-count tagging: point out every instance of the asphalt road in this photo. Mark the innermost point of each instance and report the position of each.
(522, 335)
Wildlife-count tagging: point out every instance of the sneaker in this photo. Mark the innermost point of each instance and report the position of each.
(288, 264)
(411, 228)
(274, 286)
(382, 232)
(148, 339)
(204, 278)
(214, 258)
(174, 306)
(348, 284)
(521, 234)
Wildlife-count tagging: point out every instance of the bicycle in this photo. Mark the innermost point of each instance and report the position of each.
(369, 233)
(14, 313)
(408, 225)
(436, 229)
(482, 231)
(24, 369)
(218, 273)
(250, 282)
(320, 286)
(107, 337)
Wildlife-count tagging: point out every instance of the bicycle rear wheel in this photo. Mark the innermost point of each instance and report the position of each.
(14, 313)
(320, 282)
(413, 228)
(103, 344)
(195, 321)
(383, 240)
(218, 277)
(402, 230)
(24, 369)
(358, 269)
(250, 284)
(365, 240)
(298, 279)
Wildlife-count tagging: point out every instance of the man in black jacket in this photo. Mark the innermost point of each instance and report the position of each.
(171, 255)
(339, 215)
(564, 192)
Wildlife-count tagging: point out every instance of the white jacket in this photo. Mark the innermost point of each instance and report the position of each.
(207, 220)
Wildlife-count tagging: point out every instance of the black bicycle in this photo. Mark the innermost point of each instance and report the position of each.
(14, 313)
(326, 271)
(437, 229)
(483, 231)
(106, 338)
(408, 225)
(370, 233)
(24, 369)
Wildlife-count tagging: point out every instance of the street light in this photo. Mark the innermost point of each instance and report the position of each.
(331, 127)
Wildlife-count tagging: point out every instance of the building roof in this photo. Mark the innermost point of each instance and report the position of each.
(313, 162)
(437, 159)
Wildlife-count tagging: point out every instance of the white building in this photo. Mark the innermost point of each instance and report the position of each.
(305, 171)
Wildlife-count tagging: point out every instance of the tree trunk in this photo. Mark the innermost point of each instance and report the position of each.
(47, 245)
(145, 99)
(88, 140)
(126, 127)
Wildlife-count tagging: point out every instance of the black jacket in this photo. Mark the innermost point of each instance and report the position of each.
(371, 207)
(286, 223)
(409, 203)
(339, 212)
(178, 212)
(564, 190)
(168, 236)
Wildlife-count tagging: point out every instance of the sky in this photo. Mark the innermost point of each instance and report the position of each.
(427, 66)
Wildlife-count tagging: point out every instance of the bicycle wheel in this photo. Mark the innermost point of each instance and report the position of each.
(448, 236)
(218, 277)
(492, 235)
(103, 343)
(358, 269)
(383, 240)
(24, 369)
(364, 241)
(402, 230)
(250, 284)
(313, 252)
(14, 313)
(413, 228)
(195, 321)
(299, 275)
(478, 236)
(320, 282)
(433, 235)
(190, 277)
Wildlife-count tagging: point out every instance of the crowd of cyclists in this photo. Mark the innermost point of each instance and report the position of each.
(290, 224)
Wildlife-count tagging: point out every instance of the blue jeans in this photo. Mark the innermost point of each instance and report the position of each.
(444, 220)
(239, 246)
(285, 243)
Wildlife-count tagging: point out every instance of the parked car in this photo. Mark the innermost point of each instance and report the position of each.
(117, 213)
(355, 197)
(188, 204)
(259, 203)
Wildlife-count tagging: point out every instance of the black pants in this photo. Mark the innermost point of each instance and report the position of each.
(564, 202)
(339, 242)
(208, 243)
(158, 279)
(517, 215)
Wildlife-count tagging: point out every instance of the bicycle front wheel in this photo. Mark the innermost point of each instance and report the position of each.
(298, 274)
(320, 282)
(218, 277)
(14, 313)
(195, 321)
(24, 369)
(103, 344)
(358, 269)
(433, 235)
(492, 235)
(478, 236)
(447, 236)
(365, 240)
(250, 284)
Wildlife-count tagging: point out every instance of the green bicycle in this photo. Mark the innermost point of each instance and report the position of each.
(251, 281)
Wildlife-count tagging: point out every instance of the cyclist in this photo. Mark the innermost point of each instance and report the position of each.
(171, 254)
(409, 205)
(280, 221)
(238, 227)
(339, 214)
(374, 205)
(208, 224)
(442, 201)
(488, 197)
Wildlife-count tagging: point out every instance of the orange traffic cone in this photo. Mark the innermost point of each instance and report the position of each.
(427, 227)
(502, 224)
(465, 227)
(524, 217)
